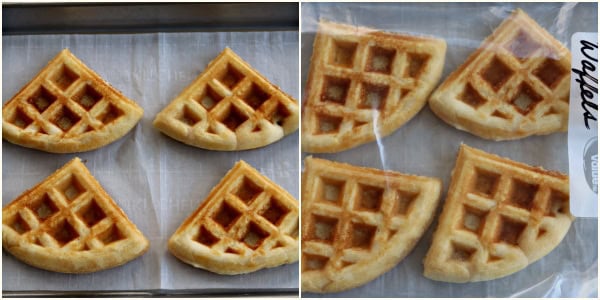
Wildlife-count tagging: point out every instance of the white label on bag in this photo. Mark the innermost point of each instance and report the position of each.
(583, 125)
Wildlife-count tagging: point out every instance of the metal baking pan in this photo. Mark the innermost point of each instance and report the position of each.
(138, 18)
(44, 19)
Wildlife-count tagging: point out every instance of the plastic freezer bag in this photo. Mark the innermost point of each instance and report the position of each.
(425, 145)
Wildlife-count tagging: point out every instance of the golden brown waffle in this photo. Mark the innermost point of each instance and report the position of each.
(68, 108)
(358, 223)
(245, 224)
(515, 85)
(68, 223)
(364, 84)
(230, 106)
(499, 216)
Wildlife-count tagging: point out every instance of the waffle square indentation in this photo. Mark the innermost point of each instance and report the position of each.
(501, 115)
(255, 96)
(358, 124)
(189, 117)
(550, 72)
(254, 236)
(71, 188)
(110, 235)
(335, 90)
(20, 118)
(323, 228)
(18, 224)
(370, 198)
(205, 237)
(509, 231)
(42, 99)
(496, 73)
(403, 202)
(416, 64)
(275, 212)
(232, 117)
(522, 194)
(314, 262)
(380, 60)
(551, 111)
(473, 219)
(345, 264)
(343, 54)
(87, 97)
(91, 213)
(110, 114)
(247, 191)
(486, 182)
(541, 232)
(362, 235)
(557, 204)
(43, 208)
(461, 253)
(232, 251)
(279, 114)
(209, 98)
(63, 232)
(328, 124)
(471, 97)
(332, 190)
(226, 215)
(525, 99)
(64, 77)
(65, 119)
(230, 77)
(373, 96)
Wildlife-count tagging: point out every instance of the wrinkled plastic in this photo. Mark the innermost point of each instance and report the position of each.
(427, 146)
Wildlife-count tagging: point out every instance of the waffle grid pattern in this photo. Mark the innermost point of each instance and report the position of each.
(359, 222)
(360, 76)
(229, 107)
(69, 224)
(499, 216)
(247, 218)
(526, 73)
(246, 223)
(66, 101)
(345, 215)
(514, 85)
(68, 216)
(500, 208)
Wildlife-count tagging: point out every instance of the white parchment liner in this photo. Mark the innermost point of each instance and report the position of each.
(156, 180)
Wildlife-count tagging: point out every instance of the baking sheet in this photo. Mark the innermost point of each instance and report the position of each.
(156, 180)
(428, 146)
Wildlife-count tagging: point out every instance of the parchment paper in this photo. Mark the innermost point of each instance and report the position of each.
(156, 180)
(428, 146)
